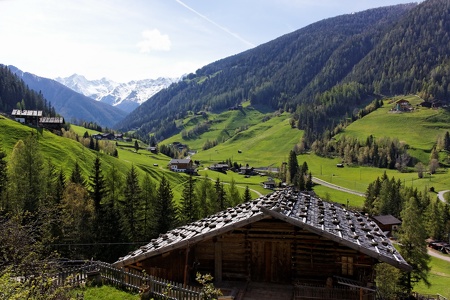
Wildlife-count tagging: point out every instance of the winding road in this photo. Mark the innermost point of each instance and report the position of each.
(336, 187)
(441, 195)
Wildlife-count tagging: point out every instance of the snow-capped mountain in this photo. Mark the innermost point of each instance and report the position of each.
(126, 96)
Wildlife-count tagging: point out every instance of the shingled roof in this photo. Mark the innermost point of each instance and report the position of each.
(348, 228)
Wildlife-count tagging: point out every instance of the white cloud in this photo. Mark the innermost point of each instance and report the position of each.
(154, 40)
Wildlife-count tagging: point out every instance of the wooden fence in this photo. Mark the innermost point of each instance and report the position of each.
(132, 280)
(429, 297)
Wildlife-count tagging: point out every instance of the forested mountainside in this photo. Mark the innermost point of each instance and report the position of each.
(413, 56)
(14, 93)
(74, 107)
(282, 73)
(321, 73)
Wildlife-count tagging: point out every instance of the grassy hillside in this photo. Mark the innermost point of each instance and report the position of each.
(261, 139)
(268, 144)
(420, 129)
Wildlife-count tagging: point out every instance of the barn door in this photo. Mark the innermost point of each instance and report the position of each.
(271, 261)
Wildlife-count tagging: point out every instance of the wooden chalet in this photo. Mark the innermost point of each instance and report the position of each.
(402, 105)
(30, 117)
(285, 237)
(223, 168)
(387, 223)
(269, 184)
(181, 165)
(52, 123)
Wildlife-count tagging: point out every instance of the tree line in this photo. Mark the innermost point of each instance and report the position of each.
(106, 214)
(15, 94)
(421, 216)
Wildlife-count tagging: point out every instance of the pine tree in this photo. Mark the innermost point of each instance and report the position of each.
(60, 186)
(97, 191)
(76, 176)
(447, 141)
(309, 182)
(235, 197)
(131, 208)
(189, 203)
(221, 197)
(293, 165)
(205, 190)
(413, 247)
(111, 229)
(149, 199)
(97, 185)
(247, 195)
(165, 212)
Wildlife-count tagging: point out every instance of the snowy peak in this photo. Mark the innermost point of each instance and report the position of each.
(126, 96)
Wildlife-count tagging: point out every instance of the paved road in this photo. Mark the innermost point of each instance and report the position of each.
(336, 187)
(438, 254)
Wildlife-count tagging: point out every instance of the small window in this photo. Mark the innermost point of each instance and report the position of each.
(347, 265)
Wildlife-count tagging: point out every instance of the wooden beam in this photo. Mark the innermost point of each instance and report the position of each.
(218, 261)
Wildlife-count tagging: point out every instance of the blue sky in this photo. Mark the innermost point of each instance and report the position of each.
(137, 39)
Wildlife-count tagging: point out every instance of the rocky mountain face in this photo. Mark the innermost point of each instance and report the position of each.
(126, 96)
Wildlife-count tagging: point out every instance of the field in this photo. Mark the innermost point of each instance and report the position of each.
(439, 277)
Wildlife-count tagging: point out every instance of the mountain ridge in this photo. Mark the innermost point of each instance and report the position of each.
(74, 107)
(126, 96)
(290, 73)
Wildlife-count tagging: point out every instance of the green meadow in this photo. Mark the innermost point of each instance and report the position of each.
(259, 138)
(439, 277)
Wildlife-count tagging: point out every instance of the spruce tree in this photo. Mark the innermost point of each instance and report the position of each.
(293, 166)
(447, 141)
(148, 202)
(221, 197)
(413, 247)
(97, 185)
(235, 197)
(165, 212)
(247, 195)
(132, 206)
(205, 190)
(189, 204)
(111, 229)
(76, 176)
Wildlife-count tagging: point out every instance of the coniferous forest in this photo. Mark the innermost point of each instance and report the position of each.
(321, 73)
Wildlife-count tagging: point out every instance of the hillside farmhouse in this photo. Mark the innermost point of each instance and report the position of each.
(181, 165)
(402, 105)
(30, 117)
(36, 118)
(286, 237)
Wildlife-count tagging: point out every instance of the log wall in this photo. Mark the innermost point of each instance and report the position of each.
(269, 250)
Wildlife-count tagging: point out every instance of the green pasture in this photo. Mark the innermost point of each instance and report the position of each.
(439, 277)
(358, 178)
(332, 195)
(262, 145)
(419, 128)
